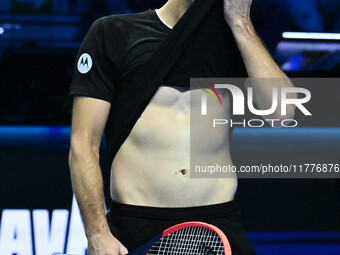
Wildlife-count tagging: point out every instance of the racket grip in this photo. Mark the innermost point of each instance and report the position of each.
(144, 249)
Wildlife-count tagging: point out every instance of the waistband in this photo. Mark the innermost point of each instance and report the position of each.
(206, 211)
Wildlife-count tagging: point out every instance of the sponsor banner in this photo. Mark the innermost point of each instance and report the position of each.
(42, 232)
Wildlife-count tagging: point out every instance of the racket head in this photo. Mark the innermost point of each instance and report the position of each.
(209, 230)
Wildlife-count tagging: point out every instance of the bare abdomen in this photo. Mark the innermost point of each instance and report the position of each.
(152, 168)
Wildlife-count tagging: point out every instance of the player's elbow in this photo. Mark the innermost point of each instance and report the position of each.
(283, 118)
(74, 155)
(80, 151)
(290, 113)
(72, 158)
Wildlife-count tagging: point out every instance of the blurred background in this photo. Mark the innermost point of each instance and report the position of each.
(39, 40)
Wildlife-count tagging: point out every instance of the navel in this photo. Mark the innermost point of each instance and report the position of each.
(183, 172)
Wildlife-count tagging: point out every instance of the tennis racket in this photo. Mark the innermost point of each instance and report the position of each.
(189, 238)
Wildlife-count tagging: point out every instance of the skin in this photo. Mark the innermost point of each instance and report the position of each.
(90, 116)
(168, 159)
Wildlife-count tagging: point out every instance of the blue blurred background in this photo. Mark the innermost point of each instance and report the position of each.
(39, 40)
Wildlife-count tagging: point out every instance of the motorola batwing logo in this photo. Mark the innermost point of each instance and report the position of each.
(84, 63)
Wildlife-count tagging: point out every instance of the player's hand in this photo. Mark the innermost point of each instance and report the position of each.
(237, 12)
(105, 244)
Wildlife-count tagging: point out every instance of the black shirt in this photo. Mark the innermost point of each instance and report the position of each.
(117, 46)
(113, 60)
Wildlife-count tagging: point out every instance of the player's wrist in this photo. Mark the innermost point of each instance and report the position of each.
(98, 232)
(241, 26)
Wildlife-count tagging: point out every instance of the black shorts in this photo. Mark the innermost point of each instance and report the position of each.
(136, 225)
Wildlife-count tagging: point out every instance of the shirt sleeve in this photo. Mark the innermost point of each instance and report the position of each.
(96, 68)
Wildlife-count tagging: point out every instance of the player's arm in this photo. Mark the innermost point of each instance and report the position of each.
(258, 61)
(88, 122)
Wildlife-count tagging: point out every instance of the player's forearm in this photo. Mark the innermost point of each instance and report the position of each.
(257, 59)
(87, 184)
(261, 67)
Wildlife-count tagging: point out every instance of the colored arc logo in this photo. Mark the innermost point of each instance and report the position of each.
(211, 95)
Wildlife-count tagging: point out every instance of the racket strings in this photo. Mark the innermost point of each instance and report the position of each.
(191, 240)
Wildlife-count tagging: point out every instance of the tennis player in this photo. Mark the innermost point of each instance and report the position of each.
(151, 188)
